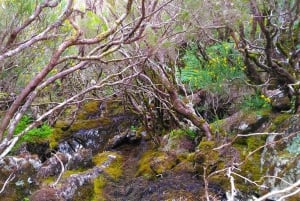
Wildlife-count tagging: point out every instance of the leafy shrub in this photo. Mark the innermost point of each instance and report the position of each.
(213, 74)
(224, 64)
(255, 101)
(34, 134)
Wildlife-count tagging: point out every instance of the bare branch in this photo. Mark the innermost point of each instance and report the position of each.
(282, 191)
(61, 172)
(40, 36)
(9, 179)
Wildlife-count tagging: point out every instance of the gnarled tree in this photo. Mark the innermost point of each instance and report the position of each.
(271, 46)
(81, 51)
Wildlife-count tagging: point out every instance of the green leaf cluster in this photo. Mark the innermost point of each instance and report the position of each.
(224, 64)
(34, 134)
(255, 102)
(180, 132)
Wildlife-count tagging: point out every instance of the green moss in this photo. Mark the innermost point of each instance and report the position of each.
(99, 184)
(57, 134)
(91, 106)
(85, 192)
(191, 157)
(277, 121)
(221, 180)
(251, 167)
(87, 109)
(114, 170)
(281, 118)
(144, 168)
(48, 181)
(206, 155)
(217, 127)
(178, 133)
(68, 173)
(115, 107)
(206, 145)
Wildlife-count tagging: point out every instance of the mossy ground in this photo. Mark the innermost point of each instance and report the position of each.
(144, 168)
(154, 162)
(114, 170)
(99, 184)
(112, 173)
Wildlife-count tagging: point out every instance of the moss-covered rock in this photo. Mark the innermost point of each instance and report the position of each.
(22, 173)
(90, 115)
(98, 187)
(45, 194)
(179, 143)
(206, 157)
(250, 156)
(154, 162)
(186, 164)
(114, 170)
(242, 122)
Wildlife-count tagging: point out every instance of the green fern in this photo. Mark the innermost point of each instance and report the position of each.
(224, 64)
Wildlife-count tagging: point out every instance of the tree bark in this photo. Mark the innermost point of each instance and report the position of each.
(190, 114)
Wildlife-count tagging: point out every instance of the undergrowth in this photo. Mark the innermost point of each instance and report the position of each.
(223, 64)
(35, 134)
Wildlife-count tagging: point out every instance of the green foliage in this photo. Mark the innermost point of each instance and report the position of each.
(132, 128)
(294, 146)
(179, 132)
(22, 124)
(21, 6)
(34, 134)
(255, 102)
(191, 133)
(93, 24)
(224, 64)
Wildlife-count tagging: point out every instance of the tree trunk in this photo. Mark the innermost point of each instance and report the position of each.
(190, 114)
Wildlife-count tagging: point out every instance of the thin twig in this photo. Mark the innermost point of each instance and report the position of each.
(62, 170)
(284, 190)
(9, 179)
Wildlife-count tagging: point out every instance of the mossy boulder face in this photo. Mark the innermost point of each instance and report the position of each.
(114, 170)
(278, 121)
(128, 136)
(90, 115)
(20, 174)
(87, 184)
(112, 173)
(241, 122)
(154, 163)
(251, 164)
(206, 158)
(281, 160)
(98, 189)
(64, 129)
(186, 164)
(46, 194)
(178, 142)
